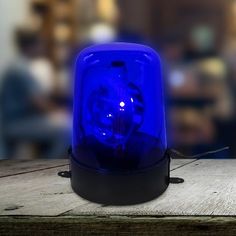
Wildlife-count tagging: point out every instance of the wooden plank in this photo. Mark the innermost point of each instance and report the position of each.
(209, 189)
(14, 167)
(122, 225)
(37, 193)
(10, 167)
(42, 192)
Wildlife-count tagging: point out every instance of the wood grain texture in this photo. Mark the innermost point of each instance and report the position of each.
(36, 189)
(37, 193)
(14, 167)
(209, 189)
(125, 226)
(34, 200)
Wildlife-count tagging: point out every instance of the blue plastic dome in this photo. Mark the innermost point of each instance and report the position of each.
(119, 121)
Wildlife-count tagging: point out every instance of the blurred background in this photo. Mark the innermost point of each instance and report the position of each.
(39, 41)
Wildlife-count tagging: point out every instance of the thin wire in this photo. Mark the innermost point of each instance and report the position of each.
(173, 151)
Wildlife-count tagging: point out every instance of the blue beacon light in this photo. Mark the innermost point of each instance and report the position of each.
(119, 137)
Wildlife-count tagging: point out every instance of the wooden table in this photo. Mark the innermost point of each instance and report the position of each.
(34, 200)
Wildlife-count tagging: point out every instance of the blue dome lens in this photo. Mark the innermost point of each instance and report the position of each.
(119, 121)
(114, 113)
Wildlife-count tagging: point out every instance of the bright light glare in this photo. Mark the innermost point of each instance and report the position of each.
(122, 104)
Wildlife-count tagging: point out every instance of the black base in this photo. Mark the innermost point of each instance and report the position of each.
(120, 188)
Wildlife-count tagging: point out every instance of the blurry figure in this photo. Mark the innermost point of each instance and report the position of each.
(191, 127)
(198, 95)
(228, 130)
(201, 43)
(42, 71)
(107, 27)
(28, 114)
(213, 79)
(172, 50)
(190, 124)
(101, 33)
(199, 71)
(104, 30)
